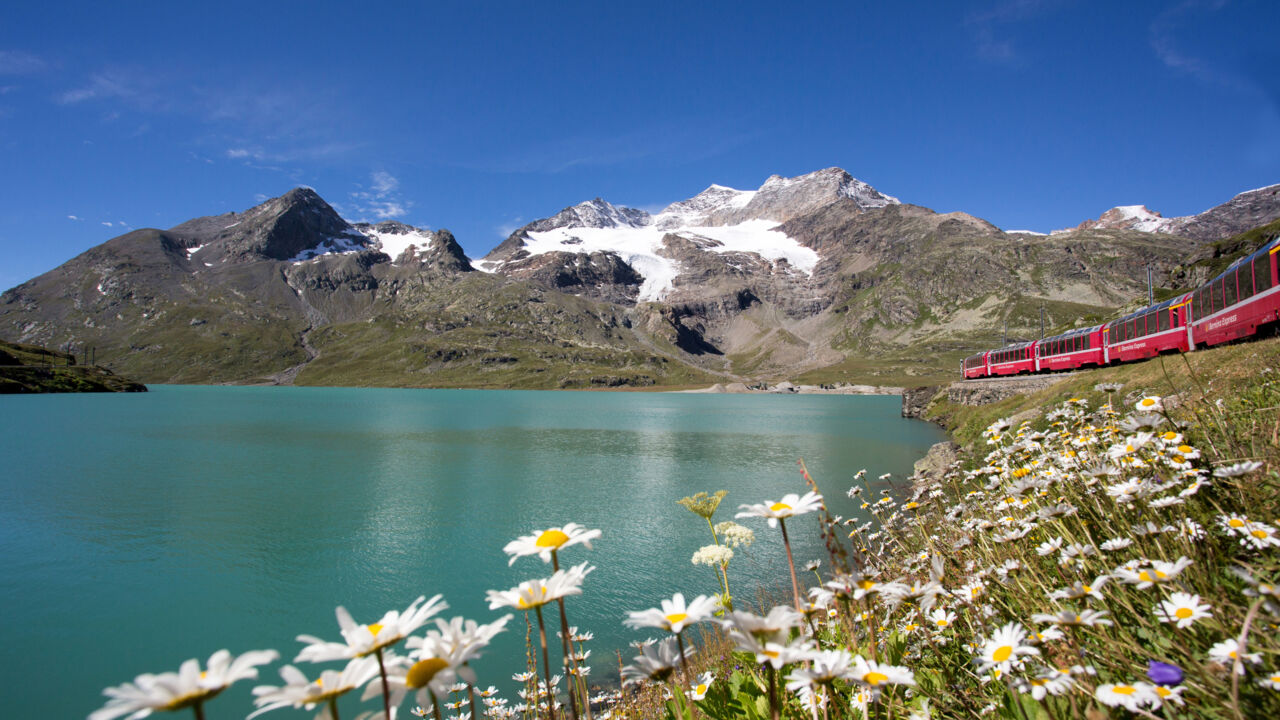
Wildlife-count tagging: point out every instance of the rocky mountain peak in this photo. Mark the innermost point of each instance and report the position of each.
(1244, 211)
(781, 199)
(595, 213)
(292, 226)
(1128, 217)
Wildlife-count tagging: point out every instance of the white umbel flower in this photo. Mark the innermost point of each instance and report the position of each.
(713, 555)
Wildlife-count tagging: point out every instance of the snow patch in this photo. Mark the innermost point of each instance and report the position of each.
(194, 250)
(639, 247)
(394, 244)
(338, 245)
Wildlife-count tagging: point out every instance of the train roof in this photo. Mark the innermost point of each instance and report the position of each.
(1175, 300)
(1016, 346)
(1074, 333)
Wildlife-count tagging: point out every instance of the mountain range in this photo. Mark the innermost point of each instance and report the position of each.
(818, 277)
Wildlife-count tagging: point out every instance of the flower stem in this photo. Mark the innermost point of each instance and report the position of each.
(198, 709)
(566, 645)
(435, 705)
(684, 664)
(795, 584)
(386, 691)
(773, 694)
(546, 665)
(333, 707)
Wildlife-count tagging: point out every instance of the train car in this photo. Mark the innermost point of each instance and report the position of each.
(1150, 331)
(1012, 359)
(1234, 304)
(974, 366)
(1071, 350)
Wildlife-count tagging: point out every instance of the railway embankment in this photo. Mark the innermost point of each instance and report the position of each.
(975, 393)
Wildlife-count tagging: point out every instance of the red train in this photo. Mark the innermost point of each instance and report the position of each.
(1245, 297)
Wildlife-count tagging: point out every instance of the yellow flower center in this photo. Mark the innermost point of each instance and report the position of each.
(1163, 691)
(423, 671)
(1148, 402)
(875, 678)
(551, 539)
(700, 690)
(1002, 653)
(1235, 523)
(779, 507)
(1087, 588)
(1123, 690)
(1170, 436)
(1260, 534)
(1182, 613)
(866, 584)
(676, 617)
(942, 623)
(525, 604)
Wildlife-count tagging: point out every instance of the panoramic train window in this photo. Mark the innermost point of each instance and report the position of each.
(1162, 320)
(1262, 272)
(1230, 286)
(1215, 296)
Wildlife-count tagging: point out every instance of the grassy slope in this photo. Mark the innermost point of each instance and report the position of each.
(43, 370)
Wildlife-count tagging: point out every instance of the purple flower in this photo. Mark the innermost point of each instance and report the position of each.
(1163, 673)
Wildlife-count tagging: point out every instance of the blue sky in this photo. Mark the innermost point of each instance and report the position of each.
(481, 116)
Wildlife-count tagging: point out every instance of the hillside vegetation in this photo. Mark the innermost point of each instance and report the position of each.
(33, 369)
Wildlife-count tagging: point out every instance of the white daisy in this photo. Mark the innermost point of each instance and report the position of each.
(1005, 647)
(186, 688)
(675, 615)
(1183, 609)
(789, 506)
(1227, 653)
(364, 640)
(1130, 697)
(548, 541)
(299, 692)
(699, 690)
(536, 593)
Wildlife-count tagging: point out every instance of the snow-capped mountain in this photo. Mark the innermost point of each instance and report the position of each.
(740, 226)
(1129, 217)
(1242, 212)
(799, 273)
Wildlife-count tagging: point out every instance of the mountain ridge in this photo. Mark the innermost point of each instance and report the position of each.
(817, 272)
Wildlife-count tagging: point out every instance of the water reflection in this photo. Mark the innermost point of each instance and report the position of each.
(198, 518)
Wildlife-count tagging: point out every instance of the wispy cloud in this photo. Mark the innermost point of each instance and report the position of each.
(17, 62)
(380, 200)
(991, 28)
(133, 88)
(1164, 33)
(73, 217)
(505, 229)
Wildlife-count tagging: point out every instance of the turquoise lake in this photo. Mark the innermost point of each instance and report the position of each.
(137, 531)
